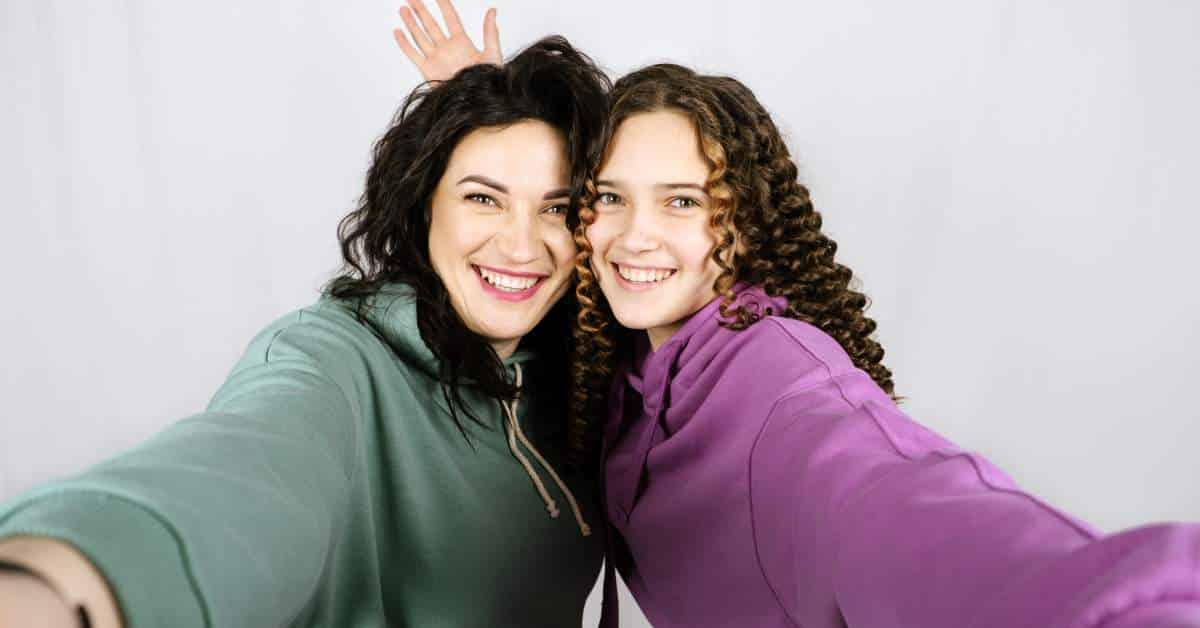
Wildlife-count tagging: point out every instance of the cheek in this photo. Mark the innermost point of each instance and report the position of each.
(453, 236)
(694, 247)
(600, 234)
(562, 247)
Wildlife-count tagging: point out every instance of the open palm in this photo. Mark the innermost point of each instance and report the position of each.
(437, 55)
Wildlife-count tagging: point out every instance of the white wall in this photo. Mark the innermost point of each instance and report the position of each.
(1014, 183)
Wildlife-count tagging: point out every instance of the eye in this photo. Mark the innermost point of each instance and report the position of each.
(557, 210)
(608, 198)
(684, 202)
(482, 199)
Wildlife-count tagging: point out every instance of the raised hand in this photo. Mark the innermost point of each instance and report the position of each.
(437, 55)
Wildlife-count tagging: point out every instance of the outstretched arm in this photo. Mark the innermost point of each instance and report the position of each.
(222, 519)
(860, 510)
(438, 55)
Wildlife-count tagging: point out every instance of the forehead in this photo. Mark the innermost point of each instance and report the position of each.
(655, 147)
(529, 154)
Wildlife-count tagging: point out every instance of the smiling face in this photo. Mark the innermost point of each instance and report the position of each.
(498, 237)
(651, 239)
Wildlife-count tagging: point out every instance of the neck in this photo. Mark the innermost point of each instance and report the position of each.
(505, 348)
(660, 335)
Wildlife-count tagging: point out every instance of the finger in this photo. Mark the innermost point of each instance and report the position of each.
(450, 17)
(430, 24)
(408, 49)
(416, 32)
(491, 36)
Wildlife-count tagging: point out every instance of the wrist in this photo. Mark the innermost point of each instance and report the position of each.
(23, 575)
(66, 571)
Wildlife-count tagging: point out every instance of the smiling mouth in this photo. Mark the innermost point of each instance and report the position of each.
(643, 277)
(508, 286)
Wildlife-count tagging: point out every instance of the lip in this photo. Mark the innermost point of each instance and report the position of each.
(639, 287)
(508, 296)
(514, 273)
(636, 267)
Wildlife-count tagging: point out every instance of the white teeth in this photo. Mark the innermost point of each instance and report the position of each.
(508, 283)
(640, 275)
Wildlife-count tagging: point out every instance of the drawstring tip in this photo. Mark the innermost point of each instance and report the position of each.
(552, 510)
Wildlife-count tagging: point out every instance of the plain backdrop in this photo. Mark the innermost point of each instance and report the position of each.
(1013, 181)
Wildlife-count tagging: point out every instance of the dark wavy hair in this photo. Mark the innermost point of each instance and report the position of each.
(386, 238)
(767, 233)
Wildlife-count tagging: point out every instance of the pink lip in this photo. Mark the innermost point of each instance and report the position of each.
(636, 287)
(514, 273)
(640, 267)
(509, 296)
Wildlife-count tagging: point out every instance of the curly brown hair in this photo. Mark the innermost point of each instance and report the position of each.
(767, 233)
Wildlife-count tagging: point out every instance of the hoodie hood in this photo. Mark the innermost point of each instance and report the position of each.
(393, 312)
(680, 360)
(675, 377)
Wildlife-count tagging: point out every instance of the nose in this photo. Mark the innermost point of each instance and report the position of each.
(519, 240)
(642, 231)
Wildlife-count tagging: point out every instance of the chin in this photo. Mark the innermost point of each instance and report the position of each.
(507, 330)
(636, 320)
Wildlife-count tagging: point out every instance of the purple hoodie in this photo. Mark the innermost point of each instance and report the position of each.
(757, 478)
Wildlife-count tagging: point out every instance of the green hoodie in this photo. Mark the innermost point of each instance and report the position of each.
(326, 485)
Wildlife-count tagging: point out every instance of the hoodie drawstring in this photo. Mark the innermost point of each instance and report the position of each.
(515, 433)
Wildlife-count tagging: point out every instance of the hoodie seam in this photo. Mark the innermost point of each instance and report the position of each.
(868, 407)
(320, 373)
(829, 376)
(1109, 618)
(758, 549)
(351, 477)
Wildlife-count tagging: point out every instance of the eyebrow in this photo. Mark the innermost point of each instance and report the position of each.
(664, 186)
(478, 178)
(500, 187)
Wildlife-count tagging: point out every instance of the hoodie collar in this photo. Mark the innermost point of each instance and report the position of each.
(652, 371)
(393, 312)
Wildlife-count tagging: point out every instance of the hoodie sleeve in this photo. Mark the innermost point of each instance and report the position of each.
(225, 517)
(865, 517)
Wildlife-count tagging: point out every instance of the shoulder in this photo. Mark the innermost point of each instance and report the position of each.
(757, 368)
(789, 351)
(319, 329)
(325, 336)
(804, 340)
(318, 352)
(808, 370)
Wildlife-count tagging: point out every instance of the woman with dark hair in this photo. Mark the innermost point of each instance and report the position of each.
(392, 454)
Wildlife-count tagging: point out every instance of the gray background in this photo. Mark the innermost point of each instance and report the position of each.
(1013, 182)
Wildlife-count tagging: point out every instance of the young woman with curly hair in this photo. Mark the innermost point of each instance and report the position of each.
(390, 455)
(757, 469)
